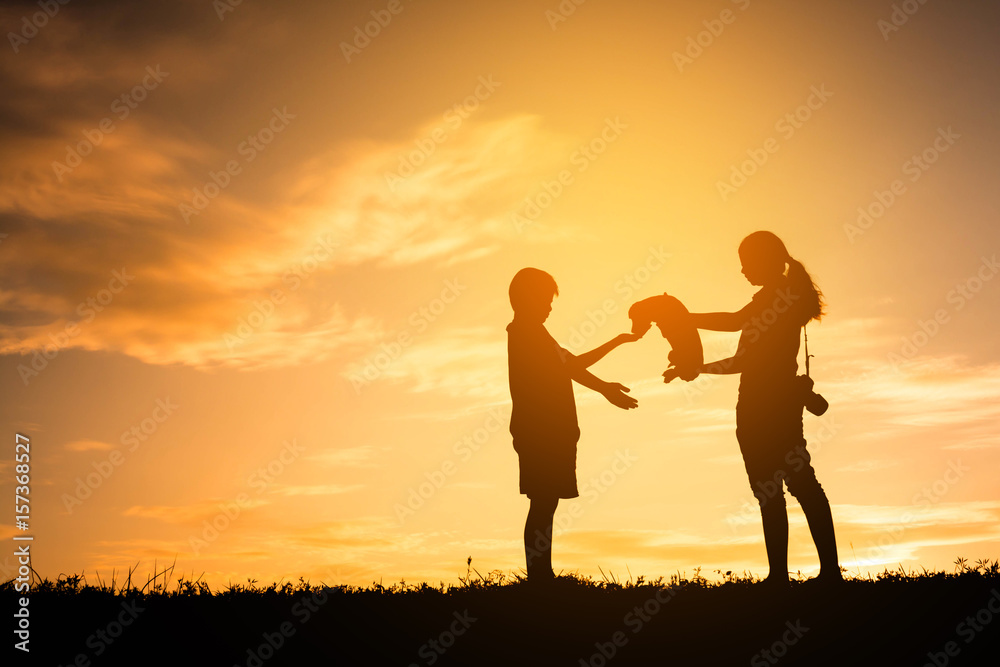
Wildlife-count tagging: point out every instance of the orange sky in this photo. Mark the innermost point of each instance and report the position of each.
(255, 269)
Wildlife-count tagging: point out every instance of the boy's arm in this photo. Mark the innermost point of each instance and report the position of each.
(588, 359)
(614, 392)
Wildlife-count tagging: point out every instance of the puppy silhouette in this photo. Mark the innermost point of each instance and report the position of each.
(672, 318)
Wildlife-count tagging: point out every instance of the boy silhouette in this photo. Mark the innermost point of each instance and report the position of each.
(543, 416)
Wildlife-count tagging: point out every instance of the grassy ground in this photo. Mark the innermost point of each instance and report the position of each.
(897, 618)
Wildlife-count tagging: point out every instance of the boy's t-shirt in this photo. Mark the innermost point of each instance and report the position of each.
(541, 389)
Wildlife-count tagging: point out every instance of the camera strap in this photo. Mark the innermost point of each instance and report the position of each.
(805, 335)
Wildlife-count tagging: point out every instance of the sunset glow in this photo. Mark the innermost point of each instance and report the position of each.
(255, 264)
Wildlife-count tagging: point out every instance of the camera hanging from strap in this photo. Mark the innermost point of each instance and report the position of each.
(812, 401)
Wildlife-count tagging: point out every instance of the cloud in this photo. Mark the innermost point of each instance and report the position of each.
(317, 490)
(181, 514)
(360, 457)
(245, 284)
(657, 553)
(344, 539)
(87, 445)
(868, 465)
(126, 555)
(942, 514)
(292, 221)
(887, 536)
(469, 362)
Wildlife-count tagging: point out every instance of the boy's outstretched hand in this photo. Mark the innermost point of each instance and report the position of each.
(616, 395)
(627, 338)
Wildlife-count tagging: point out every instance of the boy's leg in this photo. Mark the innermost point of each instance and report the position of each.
(538, 537)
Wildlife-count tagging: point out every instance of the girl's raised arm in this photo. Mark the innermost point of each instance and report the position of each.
(721, 321)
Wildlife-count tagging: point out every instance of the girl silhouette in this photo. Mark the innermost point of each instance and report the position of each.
(769, 408)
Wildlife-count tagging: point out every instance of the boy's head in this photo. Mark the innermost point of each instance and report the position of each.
(531, 292)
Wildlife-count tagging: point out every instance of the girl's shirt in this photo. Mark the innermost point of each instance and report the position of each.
(769, 341)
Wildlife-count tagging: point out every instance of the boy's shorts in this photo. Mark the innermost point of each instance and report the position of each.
(547, 469)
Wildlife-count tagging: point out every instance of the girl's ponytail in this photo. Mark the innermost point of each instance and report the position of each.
(811, 304)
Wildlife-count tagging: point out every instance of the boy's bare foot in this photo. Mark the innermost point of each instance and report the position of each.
(541, 579)
(825, 579)
(774, 583)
